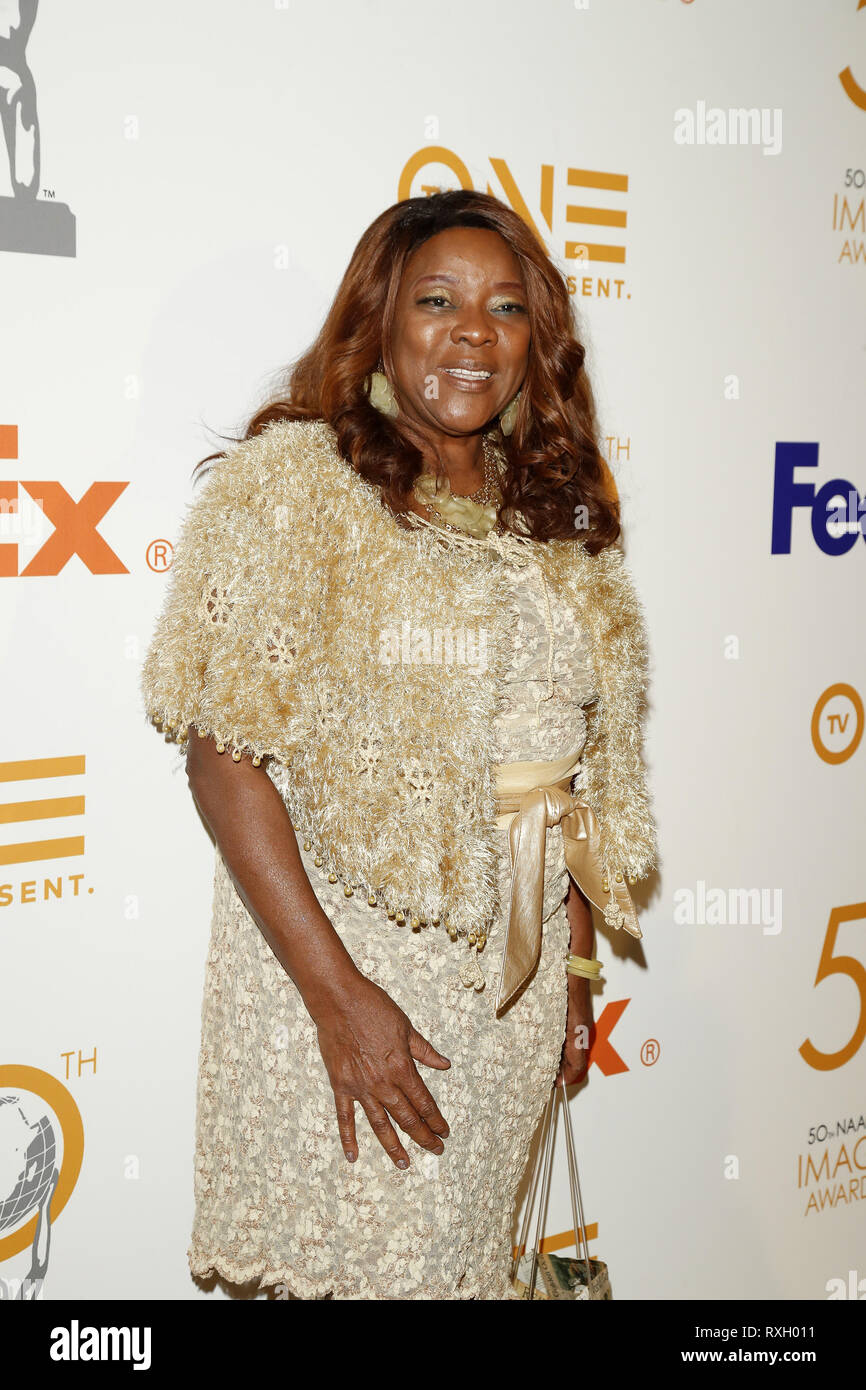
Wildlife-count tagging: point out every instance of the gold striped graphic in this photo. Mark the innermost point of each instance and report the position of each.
(593, 178)
(41, 810)
(591, 251)
(41, 767)
(41, 849)
(600, 217)
(46, 808)
(596, 217)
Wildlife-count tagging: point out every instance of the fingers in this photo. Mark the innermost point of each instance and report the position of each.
(427, 1109)
(401, 1109)
(385, 1132)
(396, 1105)
(401, 1095)
(346, 1126)
(427, 1133)
(424, 1051)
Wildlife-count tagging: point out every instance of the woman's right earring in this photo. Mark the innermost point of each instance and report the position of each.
(381, 394)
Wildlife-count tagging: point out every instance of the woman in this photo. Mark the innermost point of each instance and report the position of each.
(398, 624)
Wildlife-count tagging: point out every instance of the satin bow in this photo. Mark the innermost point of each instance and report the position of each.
(535, 808)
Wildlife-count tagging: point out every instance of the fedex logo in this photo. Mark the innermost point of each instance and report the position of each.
(75, 523)
(601, 1050)
(837, 511)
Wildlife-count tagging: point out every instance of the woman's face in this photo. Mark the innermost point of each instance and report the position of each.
(460, 339)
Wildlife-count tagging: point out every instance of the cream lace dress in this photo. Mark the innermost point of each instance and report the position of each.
(276, 1200)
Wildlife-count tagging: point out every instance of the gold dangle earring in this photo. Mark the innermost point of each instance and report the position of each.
(381, 392)
(508, 418)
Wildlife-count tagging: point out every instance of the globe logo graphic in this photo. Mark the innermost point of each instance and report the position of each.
(28, 1159)
(41, 1152)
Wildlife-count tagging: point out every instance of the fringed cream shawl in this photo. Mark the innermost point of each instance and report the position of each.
(289, 583)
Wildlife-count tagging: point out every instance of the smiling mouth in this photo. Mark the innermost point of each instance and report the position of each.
(465, 374)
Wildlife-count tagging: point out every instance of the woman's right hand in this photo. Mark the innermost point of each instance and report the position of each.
(370, 1048)
(368, 1045)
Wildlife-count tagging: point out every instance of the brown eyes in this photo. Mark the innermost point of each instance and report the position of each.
(511, 305)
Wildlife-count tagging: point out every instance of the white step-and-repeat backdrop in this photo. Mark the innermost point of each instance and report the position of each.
(172, 230)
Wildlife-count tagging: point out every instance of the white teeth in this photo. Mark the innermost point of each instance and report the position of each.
(470, 375)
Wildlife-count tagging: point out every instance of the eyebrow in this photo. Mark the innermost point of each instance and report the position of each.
(452, 280)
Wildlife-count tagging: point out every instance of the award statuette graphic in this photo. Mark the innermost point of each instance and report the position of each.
(45, 227)
(41, 1150)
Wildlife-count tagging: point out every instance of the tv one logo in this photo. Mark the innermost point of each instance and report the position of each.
(598, 203)
(837, 511)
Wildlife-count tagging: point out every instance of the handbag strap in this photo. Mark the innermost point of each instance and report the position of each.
(545, 1188)
(543, 1167)
(574, 1192)
(530, 1198)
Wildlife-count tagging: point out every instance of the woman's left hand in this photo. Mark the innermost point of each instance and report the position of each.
(575, 1051)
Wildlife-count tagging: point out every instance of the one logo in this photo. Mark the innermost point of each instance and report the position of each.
(41, 1151)
(838, 513)
(74, 522)
(587, 220)
(849, 82)
(44, 227)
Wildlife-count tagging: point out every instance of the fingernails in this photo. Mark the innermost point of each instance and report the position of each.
(402, 1163)
(351, 1157)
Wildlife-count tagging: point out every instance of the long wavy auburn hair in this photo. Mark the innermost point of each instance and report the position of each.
(554, 464)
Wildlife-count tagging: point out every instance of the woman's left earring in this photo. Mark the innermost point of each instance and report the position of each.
(508, 418)
(381, 394)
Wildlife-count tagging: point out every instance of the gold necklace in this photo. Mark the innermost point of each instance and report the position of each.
(484, 494)
(477, 513)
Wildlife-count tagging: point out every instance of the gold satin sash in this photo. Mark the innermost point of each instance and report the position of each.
(532, 796)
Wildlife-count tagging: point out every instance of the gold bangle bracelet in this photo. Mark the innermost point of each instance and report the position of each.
(579, 965)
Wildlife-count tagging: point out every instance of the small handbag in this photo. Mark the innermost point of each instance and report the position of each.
(560, 1277)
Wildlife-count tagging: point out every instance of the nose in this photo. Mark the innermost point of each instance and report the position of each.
(473, 326)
